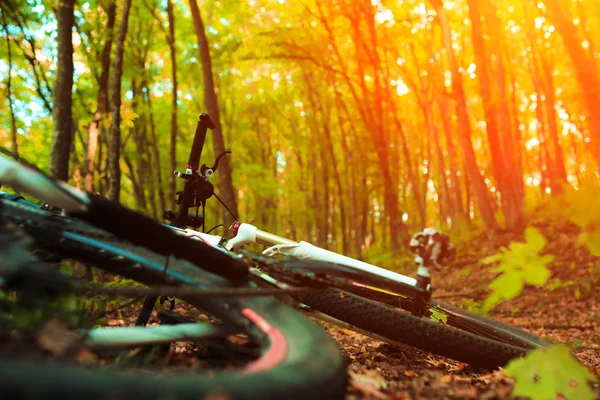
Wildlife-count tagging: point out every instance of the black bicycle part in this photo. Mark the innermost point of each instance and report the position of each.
(423, 334)
(456, 317)
(144, 231)
(301, 372)
(204, 124)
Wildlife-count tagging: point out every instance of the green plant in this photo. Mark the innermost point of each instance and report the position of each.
(578, 206)
(471, 305)
(438, 315)
(519, 264)
(463, 234)
(546, 373)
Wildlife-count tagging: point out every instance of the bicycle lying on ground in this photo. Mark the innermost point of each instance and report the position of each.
(297, 358)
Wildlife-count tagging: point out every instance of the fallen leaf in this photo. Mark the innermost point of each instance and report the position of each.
(410, 373)
(369, 383)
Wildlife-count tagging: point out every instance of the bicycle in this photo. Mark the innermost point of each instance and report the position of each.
(369, 301)
(287, 367)
(354, 294)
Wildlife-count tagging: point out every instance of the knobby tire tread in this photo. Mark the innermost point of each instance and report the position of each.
(420, 333)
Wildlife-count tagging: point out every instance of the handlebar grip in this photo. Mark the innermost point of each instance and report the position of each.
(204, 123)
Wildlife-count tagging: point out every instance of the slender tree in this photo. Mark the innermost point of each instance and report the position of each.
(9, 96)
(458, 91)
(227, 193)
(114, 143)
(95, 125)
(173, 141)
(501, 151)
(62, 120)
(586, 69)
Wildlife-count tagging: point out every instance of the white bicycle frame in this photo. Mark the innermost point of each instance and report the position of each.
(247, 233)
(28, 180)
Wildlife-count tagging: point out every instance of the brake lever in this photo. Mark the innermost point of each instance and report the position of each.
(214, 168)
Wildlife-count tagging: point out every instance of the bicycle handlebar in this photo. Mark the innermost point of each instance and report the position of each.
(204, 124)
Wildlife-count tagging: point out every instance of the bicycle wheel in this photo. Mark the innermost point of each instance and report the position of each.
(297, 358)
(480, 342)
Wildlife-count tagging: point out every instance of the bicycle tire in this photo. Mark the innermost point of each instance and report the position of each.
(458, 318)
(400, 326)
(311, 366)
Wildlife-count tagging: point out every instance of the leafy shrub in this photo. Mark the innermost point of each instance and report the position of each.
(519, 264)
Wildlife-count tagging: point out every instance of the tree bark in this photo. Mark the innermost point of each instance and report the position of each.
(114, 144)
(586, 69)
(227, 193)
(501, 150)
(475, 177)
(173, 142)
(156, 155)
(13, 120)
(560, 173)
(102, 102)
(62, 120)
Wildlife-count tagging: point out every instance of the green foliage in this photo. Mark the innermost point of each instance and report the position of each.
(578, 206)
(518, 265)
(463, 234)
(383, 258)
(558, 283)
(545, 373)
(471, 305)
(438, 315)
(31, 314)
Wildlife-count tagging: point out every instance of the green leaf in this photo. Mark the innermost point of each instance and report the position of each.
(592, 241)
(535, 239)
(517, 265)
(438, 315)
(547, 372)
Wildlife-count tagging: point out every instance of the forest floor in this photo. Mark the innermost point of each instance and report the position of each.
(566, 314)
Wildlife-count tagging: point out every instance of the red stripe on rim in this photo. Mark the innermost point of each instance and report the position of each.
(277, 351)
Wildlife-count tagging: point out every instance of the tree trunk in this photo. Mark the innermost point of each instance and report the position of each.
(514, 210)
(173, 142)
(102, 101)
(501, 151)
(586, 69)
(13, 121)
(227, 193)
(62, 120)
(455, 182)
(156, 155)
(140, 146)
(114, 144)
(560, 173)
(397, 229)
(475, 177)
